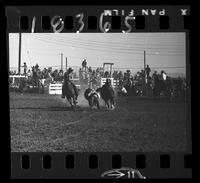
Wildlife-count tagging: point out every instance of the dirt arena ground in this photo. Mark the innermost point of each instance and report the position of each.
(41, 122)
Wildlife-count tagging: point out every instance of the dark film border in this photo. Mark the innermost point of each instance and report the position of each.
(78, 165)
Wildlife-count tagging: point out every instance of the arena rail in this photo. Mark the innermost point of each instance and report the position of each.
(55, 88)
(114, 82)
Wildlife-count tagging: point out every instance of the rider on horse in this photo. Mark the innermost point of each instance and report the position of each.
(67, 79)
(107, 93)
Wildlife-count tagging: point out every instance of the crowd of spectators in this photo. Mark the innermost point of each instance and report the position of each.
(140, 83)
(45, 73)
(143, 82)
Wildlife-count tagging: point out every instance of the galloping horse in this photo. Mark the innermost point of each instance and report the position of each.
(107, 94)
(69, 91)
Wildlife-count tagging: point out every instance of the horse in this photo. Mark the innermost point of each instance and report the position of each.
(107, 94)
(69, 91)
(92, 97)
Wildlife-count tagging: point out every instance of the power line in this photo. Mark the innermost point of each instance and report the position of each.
(115, 46)
(81, 57)
(42, 52)
(127, 49)
(86, 44)
(54, 42)
(106, 42)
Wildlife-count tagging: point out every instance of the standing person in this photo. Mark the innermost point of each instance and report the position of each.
(106, 74)
(121, 81)
(164, 75)
(29, 73)
(36, 69)
(25, 68)
(163, 81)
(90, 69)
(155, 83)
(147, 70)
(80, 74)
(84, 64)
(128, 74)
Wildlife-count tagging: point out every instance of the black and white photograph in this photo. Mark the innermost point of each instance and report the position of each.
(98, 92)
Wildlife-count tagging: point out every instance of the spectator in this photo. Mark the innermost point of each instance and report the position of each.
(142, 74)
(128, 74)
(37, 67)
(25, 68)
(29, 73)
(147, 70)
(106, 74)
(164, 75)
(90, 70)
(155, 83)
(93, 73)
(84, 64)
(115, 75)
(97, 70)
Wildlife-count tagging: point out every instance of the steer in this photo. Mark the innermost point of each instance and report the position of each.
(92, 97)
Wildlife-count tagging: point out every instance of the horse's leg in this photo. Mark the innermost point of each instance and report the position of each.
(108, 106)
(89, 102)
(112, 103)
(92, 101)
(74, 100)
(105, 104)
(70, 101)
(96, 103)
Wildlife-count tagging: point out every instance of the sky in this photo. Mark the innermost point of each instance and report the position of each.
(164, 51)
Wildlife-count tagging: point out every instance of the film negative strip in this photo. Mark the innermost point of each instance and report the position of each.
(99, 92)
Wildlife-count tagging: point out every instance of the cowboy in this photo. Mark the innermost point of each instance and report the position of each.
(92, 96)
(67, 79)
(92, 91)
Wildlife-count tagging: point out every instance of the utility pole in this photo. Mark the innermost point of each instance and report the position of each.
(61, 61)
(19, 59)
(66, 64)
(145, 72)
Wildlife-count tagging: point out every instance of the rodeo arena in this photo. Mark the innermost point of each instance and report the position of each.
(86, 109)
